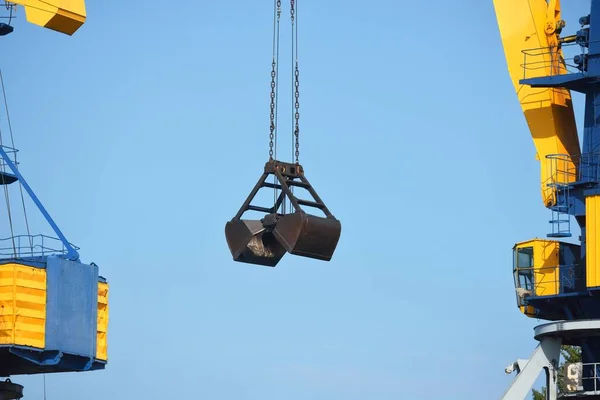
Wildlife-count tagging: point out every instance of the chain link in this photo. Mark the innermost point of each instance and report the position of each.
(296, 80)
(273, 75)
(297, 114)
(272, 128)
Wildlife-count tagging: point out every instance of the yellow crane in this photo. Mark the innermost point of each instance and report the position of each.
(555, 280)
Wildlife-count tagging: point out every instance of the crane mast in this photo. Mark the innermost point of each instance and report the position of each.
(555, 280)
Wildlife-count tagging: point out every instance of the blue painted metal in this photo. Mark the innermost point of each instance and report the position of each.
(561, 218)
(72, 254)
(19, 360)
(71, 306)
(565, 184)
(571, 273)
(55, 361)
(41, 358)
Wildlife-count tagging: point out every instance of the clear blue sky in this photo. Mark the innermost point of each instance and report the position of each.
(144, 132)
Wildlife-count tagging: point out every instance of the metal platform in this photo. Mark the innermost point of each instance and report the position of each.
(570, 332)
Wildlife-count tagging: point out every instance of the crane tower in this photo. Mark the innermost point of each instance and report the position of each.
(555, 279)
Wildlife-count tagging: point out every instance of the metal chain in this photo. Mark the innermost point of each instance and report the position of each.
(272, 134)
(297, 114)
(273, 75)
(296, 80)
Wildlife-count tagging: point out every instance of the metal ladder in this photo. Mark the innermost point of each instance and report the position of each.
(561, 219)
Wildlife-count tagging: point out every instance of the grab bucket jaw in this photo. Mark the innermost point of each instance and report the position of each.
(308, 235)
(251, 243)
(265, 241)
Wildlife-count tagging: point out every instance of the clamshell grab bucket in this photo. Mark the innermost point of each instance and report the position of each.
(265, 241)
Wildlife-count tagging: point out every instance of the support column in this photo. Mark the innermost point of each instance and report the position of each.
(544, 357)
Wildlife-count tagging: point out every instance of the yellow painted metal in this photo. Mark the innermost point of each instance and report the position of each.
(22, 305)
(64, 16)
(530, 26)
(544, 270)
(101, 341)
(528, 310)
(592, 242)
(546, 263)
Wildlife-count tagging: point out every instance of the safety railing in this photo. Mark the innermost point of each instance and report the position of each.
(565, 169)
(591, 377)
(550, 280)
(8, 11)
(24, 246)
(553, 61)
(12, 154)
(584, 378)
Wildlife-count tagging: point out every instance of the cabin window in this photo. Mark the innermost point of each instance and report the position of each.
(523, 268)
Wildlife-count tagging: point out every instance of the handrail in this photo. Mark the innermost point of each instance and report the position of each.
(71, 254)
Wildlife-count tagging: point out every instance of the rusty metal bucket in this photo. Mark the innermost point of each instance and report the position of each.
(308, 235)
(250, 242)
(265, 241)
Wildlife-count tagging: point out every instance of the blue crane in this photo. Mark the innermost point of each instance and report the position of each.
(53, 306)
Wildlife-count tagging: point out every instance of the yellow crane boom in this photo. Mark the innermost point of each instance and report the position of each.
(529, 31)
(64, 16)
